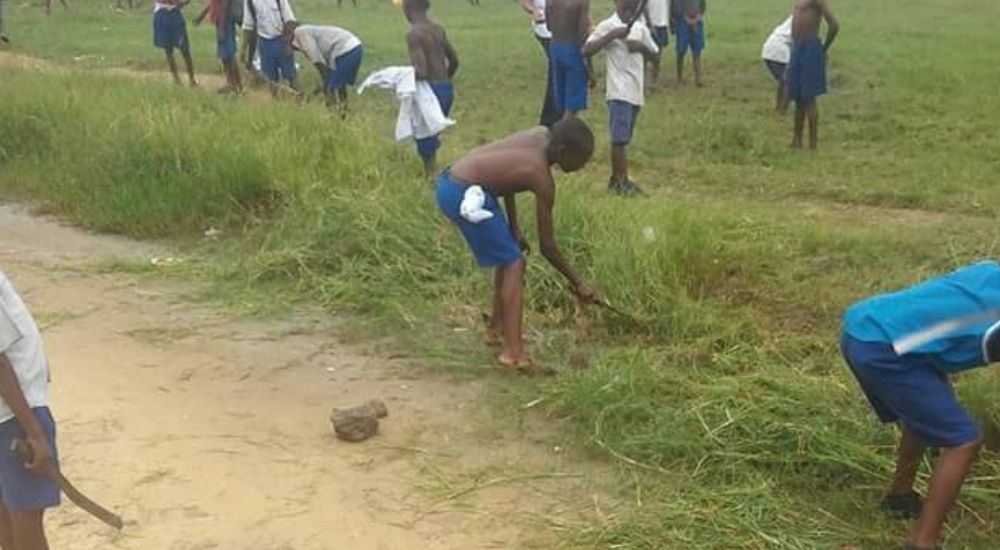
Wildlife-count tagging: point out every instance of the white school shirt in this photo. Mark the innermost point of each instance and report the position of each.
(659, 12)
(541, 30)
(778, 46)
(21, 343)
(324, 44)
(625, 69)
(271, 17)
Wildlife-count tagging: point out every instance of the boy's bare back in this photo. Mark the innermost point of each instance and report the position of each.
(806, 18)
(430, 51)
(511, 165)
(568, 20)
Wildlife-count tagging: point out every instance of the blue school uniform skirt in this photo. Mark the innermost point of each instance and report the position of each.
(346, 69)
(169, 30)
(491, 240)
(569, 77)
(807, 71)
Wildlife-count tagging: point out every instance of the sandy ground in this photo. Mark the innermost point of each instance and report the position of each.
(206, 430)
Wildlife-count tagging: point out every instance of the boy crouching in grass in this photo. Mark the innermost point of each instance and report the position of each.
(170, 33)
(627, 48)
(468, 194)
(336, 53)
(906, 380)
(26, 489)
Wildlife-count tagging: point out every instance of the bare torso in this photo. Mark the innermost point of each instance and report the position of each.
(806, 18)
(429, 51)
(511, 165)
(568, 20)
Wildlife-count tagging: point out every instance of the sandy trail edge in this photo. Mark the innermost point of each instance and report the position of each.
(206, 431)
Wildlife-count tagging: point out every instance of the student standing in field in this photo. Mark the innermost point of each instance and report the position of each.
(264, 31)
(170, 33)
(468, 194)
(569, 21)
(909, 383)
(224, 14)
(336, 54)
(807, 66)
(434, 60)
(658, 19)
(627, 50)
(536, 9)
(688, 18)
(26, 488)
(776, 54)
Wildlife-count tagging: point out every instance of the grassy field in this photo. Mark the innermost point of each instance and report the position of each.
(729, 395)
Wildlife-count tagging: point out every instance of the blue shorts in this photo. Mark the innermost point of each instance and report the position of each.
(911, 390)
(226, 48)
(445, 93)
(491, 240)
(685, 39)
(807, 71)
(621, 121)
(662, 36)
(170, 30)
(23, 491)
(346, 72)
(569, 77)
(276, 59)
(777, 69)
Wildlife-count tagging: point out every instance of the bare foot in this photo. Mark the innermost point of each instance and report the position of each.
(524, 365)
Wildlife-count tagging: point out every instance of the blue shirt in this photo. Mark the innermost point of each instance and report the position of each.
(968, 291)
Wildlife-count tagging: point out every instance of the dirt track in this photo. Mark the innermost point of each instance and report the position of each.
(209, 431)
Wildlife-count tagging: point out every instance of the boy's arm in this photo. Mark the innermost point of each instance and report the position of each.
(832, 25)
(702, 7)
(536, 15)
(600, 39)
(417, 57)
(13, 396)
(545, 199)
(583, 23)
(449, 52)
(201, 16)
(643, 43)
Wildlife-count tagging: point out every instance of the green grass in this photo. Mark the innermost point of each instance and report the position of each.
(728, 408)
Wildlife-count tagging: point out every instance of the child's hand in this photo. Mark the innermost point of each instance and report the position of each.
(620, 32)
(41, 456)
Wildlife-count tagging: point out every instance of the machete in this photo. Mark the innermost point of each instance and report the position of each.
(25, 454)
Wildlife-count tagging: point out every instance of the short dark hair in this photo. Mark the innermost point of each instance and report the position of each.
(574, 135)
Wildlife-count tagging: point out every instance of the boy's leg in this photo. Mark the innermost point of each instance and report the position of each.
(680, 68)
(6, 529)
(911, 450)
(780, 106)
(619, 163)
(813, 114)
(800, 120)
(496, 321)
(512, 296)
(29, 532)
(946, 481)
(188, 63)
(696, 63)
(172, 64)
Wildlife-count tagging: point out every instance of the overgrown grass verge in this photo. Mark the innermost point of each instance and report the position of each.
(726, 406)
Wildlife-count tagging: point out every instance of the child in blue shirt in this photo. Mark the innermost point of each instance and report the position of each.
(906, 380)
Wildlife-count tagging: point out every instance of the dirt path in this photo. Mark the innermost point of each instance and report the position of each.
(206, 431)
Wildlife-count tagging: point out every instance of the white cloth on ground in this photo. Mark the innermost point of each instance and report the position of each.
(472, 205)
(420, 114)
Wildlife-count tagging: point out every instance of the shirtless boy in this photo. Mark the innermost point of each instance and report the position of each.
(516, 164)
(807, 67)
